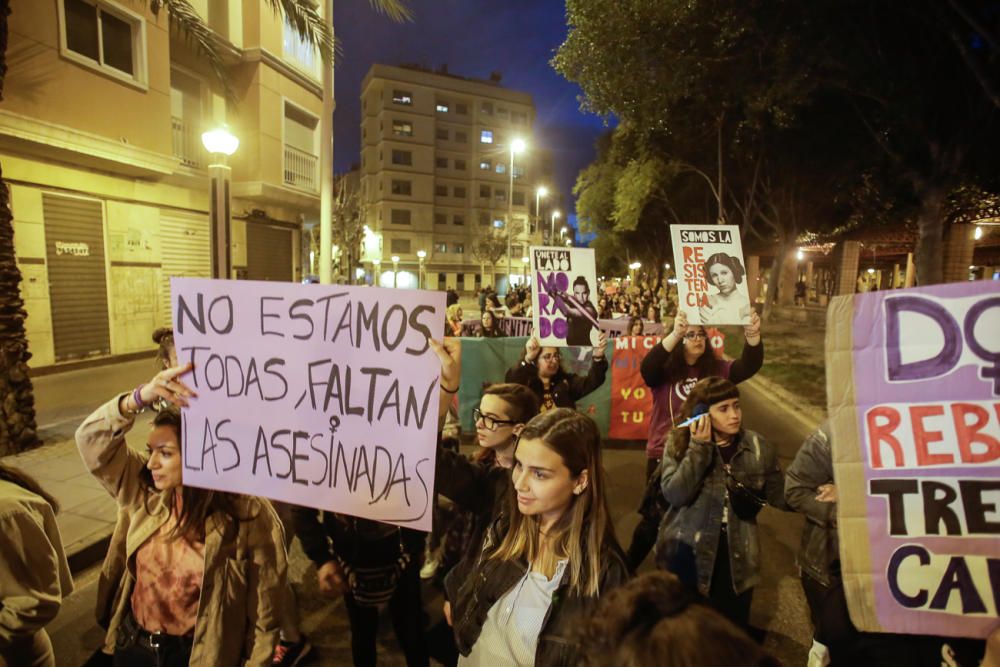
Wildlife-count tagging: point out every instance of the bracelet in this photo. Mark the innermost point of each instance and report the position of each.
(137, 397)
(450, 391)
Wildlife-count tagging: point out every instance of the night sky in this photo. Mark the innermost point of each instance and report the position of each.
(474, 38)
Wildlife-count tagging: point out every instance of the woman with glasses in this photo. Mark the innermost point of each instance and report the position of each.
(670, 370)
(541, 370)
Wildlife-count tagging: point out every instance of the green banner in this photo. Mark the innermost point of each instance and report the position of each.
(486, 360)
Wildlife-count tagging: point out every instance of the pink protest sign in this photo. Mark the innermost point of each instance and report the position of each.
(913, 389)
(319, 395)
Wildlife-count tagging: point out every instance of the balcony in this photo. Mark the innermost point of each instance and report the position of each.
(186, 143)
(301, 169)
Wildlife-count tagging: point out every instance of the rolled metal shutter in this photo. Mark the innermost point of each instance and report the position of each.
(74, 247)
(186, 250)
(269, 252)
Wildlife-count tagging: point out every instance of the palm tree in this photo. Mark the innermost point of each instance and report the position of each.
(18, 428)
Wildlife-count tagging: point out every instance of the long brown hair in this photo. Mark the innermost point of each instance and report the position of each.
(584, 529)
(196, 504)
(28, 483)
(677, 367)
(706, 392)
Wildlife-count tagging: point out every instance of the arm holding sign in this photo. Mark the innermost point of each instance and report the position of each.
(654, 364)
(752, 357)
(581, 385)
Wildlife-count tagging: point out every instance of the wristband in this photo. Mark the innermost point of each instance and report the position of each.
(137, 398)
(450, 391)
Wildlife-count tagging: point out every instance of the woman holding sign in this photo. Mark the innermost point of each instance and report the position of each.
(716, 476)
(540, 369)
(548, 553)
(198, 574)
(670, 370)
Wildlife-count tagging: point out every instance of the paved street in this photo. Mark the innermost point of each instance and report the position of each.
(778, 604)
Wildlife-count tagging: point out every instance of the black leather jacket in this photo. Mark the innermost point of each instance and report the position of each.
(567, 388)
(475, 584)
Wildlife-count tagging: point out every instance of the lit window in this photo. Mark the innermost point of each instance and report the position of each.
(501, 168)
(402, 97)
(298, 50)
(442, 107)
(486, 165)
(402, 128)
(486, 137)
(498, 223)
(459, 248)
(105, 37)
(441, 247)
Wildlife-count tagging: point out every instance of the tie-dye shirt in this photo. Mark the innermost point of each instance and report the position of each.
(167, 589)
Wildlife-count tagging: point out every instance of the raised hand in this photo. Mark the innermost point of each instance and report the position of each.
(532, 348)
(680, 324)
(167, 385)
(449, 352)
(752, 330)
(602, 342)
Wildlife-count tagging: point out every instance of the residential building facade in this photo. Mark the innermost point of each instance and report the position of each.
(100, 142)
(436, 175)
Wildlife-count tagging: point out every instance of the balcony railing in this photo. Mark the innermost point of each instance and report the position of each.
(301, 169)
(186, 145)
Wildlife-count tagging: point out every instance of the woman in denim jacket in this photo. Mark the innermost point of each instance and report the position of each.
(716, 476)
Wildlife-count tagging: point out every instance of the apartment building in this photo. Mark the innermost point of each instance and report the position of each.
(100, 143)
(436, 175)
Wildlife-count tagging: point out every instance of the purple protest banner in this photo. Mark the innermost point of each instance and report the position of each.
(319, 395)
(913, 386)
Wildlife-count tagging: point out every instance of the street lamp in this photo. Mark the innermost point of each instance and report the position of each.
(221, 143)
(376, 269)
(552, 226)
(633, 267)
(421, 255)
(540, 192)
(516, 146)
(395, 269)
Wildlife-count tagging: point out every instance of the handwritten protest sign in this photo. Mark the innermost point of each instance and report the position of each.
(564, 291)
(711, 278)
(631, 399)
(318, 395)
(913, 386)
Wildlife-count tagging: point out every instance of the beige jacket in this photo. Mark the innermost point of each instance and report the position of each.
(244, 580)
(34, 575)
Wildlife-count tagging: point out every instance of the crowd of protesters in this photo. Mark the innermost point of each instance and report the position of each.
(199, 577)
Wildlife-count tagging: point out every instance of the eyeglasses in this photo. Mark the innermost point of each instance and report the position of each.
(491, 423)
(553, 356)
(695, 335)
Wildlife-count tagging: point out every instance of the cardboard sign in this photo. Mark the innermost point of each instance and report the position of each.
(565, 296)
(319, 395)
(913, 385)
(711, 274)
(631, 399)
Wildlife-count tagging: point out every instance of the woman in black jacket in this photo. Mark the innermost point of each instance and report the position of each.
(540, 369)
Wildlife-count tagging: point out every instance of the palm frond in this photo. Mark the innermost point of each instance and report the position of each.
(397, 10)
(316, 31)
(193, 28)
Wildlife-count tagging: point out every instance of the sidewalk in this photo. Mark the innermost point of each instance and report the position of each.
(63, 400)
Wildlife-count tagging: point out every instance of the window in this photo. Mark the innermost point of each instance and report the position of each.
(441, 247)
(502, 112)
(518, 199)
(461, 278)
(402, 157)
(440, 219)
(440, 190)
(441, 162)
(441, 133)
(485, 165)
(459, 249)
(460, 165)
(487, 108)
(518, 171)
(402, 128)
(461, 137)
(403, 97)
(501, 168)
(298, 51)
(486, 137)
(484, 191)
(458, 220)
(498, 223)
(402, 187)
(442, 107)
(500, 195)
(104, 37)
(400, 246)
(459, 192)
(400, 216)
(461, 108)
(484, 218)
(518, 117)
(301, 162)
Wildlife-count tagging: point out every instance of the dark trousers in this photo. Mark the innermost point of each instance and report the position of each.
(406, 611)
(734, 606)
(644, 535)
